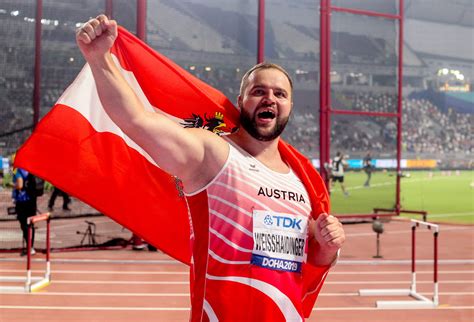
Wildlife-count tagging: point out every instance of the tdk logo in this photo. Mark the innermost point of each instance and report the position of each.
(281, 221)
(268, 220)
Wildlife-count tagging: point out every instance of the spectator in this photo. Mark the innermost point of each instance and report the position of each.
(368, 167)
(337, 175)
(66, 199)
(24, 197)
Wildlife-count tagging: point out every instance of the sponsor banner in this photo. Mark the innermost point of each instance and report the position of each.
(276, 263)
(421, 163)
(354, 163)
(403, 163)
(389, 163)
(385, 163)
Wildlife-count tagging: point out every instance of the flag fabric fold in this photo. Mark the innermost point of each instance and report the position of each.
(78, 148)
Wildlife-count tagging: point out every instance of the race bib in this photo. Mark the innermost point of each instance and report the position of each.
(279, 240)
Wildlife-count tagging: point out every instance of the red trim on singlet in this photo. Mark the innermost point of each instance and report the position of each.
(198, 204)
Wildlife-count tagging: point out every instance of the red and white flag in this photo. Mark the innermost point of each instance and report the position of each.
(79, 149)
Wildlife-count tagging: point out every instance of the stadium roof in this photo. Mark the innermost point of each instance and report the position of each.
(455, 12)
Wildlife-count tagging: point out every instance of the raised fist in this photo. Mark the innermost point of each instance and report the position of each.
(96, 37)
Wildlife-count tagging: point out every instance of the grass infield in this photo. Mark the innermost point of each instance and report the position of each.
(447, 196)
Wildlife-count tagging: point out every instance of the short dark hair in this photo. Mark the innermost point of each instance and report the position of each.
(264, 65)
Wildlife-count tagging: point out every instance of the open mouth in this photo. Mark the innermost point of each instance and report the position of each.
(266, 114)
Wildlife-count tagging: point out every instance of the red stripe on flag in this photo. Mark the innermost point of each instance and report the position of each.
(169, 87)
(66, 151)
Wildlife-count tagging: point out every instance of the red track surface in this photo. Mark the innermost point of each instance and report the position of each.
(137, 286)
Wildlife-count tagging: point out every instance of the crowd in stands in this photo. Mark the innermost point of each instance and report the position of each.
(426, 128)
(303, 132)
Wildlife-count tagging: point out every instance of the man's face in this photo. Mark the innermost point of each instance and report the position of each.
(265, 104)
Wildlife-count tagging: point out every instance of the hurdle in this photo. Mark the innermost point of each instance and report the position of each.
(420, 300)
(32, 284)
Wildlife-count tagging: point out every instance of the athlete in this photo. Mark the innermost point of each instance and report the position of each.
(337, 174)
(255, 237)
(368, 168)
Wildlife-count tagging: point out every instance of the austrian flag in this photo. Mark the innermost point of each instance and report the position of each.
(79, 149)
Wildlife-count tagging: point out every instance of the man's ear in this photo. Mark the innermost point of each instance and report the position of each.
(239, 102)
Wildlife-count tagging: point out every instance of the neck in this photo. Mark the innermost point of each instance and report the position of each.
(264, 151)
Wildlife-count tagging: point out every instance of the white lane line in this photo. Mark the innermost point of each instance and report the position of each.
(121, 282)
(350, 308)
(159, 262)
(348, 294)
(452, 293)
(344, 294)
(101, 261)
(398, 282)
(404, 261)
(89, 308)
(469, 281)
(99, 272)
(115, 308)
(54, 271)
(339, 294)
(402, 272)
(45, 293)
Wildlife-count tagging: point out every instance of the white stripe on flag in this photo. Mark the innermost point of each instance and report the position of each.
(82, 96)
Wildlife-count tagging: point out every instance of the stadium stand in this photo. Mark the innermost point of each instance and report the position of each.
(216, 42)
(297, 44)
(189, 34)
(427, 130)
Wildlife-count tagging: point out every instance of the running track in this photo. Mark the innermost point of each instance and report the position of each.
(145, 286)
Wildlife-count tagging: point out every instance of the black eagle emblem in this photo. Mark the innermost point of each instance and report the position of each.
(214, 124)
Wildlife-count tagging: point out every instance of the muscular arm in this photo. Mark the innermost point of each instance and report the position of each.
(176, 150)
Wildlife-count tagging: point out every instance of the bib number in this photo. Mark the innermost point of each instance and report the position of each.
(279, 240)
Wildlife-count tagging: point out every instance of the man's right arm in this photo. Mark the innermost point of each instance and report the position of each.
(176, 150)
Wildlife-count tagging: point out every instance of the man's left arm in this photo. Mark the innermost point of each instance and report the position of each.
(326, 237)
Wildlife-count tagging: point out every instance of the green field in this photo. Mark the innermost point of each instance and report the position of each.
(446, 198)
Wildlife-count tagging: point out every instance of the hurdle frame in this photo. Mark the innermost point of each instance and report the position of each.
(32, 284)
(420, 300)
